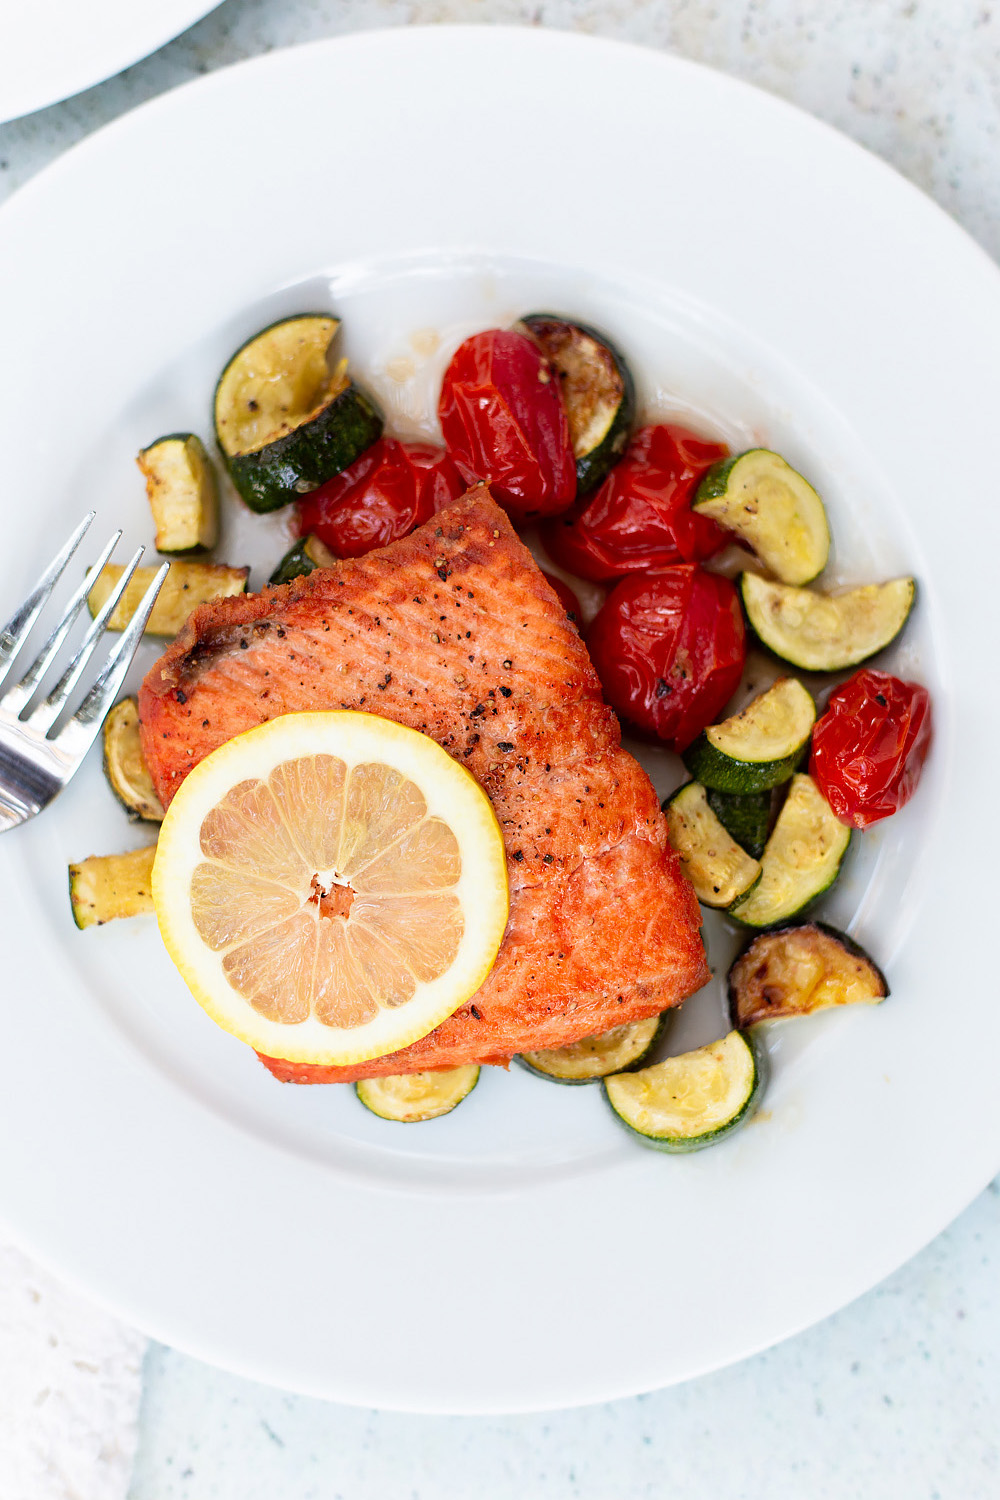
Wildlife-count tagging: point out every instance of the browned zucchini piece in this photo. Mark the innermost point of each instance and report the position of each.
(597, 390)
(413, 1097)
(182, 493)
(776, 512)
(801, 859)
(308, 554)
(692, 1100)
(124, 765)
(106, 886)
(284, 419)
(594, 1057)
(718, 868)
(187, 585)
(826, 632)
(797, 971)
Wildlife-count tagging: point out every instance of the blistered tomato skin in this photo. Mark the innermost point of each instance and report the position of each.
(389, 490)
(669, 649)
(566, 597)
(869, 748)
(503, 420)
(640, 519)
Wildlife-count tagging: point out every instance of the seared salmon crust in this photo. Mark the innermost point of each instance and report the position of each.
(455, 632)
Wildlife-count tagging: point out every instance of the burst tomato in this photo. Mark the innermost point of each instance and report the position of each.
(503, 421)
(869, 748)
(669, 650)
(385, 493)
(566, 597)
(641, 519)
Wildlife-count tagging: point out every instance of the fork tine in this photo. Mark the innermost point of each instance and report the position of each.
(90, 715)
(50, 708)
(20, 694)
(18, 627)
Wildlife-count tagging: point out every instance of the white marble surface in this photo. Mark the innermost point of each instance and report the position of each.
(918, 81)
(70, 1380)
(896, 1396)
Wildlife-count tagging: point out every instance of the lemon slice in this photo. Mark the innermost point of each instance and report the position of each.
(331, 886)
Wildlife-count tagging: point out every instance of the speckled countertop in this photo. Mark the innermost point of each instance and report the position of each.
(917, 81)
(898, 1396)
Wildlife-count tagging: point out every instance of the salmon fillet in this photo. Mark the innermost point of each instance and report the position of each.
(454, 631)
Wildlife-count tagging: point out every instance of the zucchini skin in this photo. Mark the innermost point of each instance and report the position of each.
(719, 868)
(369, 1090)
(683, 1146)
(594, 467)
(747, 819)
(120, 738)
(738, 1016)
(203, 515)
(720, 773)
(815, 661)
(522, 1061)
(778, 721)
(299, 560)
(854, 949)
(792, 905)
(106, 886)
(798, 550)
(789, 914)
(300, 461)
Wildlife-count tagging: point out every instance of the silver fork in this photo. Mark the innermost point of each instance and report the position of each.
(35, 763)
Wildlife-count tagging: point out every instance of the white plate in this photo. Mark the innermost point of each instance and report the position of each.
(521, 1253)
(54, 48)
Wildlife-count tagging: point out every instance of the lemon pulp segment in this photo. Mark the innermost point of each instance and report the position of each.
(331, 886)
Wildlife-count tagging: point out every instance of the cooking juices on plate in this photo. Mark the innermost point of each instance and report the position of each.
(327, 879)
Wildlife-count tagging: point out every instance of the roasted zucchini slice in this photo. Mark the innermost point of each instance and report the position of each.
(283, 421)
(186, 585)
(693, 1100)
(717, 867)
(182, 493)
(797, 971)
(748, 819)
(826, 632)
(106, 886)
(410, 1097)
(759, 747)
(124, 766)
(594, 1057)
(308, 554)
(801, 859)
(597, 389)
(772, 508)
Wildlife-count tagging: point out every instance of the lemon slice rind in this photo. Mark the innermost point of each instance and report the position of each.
(451, 794)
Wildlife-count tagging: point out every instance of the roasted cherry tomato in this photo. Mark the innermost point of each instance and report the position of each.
(566, 597)
(669, 650)
(869, 748)
(641, 519)
(385, 493)
(503, 420)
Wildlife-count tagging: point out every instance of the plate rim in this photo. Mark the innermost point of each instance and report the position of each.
(76, 77)
(123, 123)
